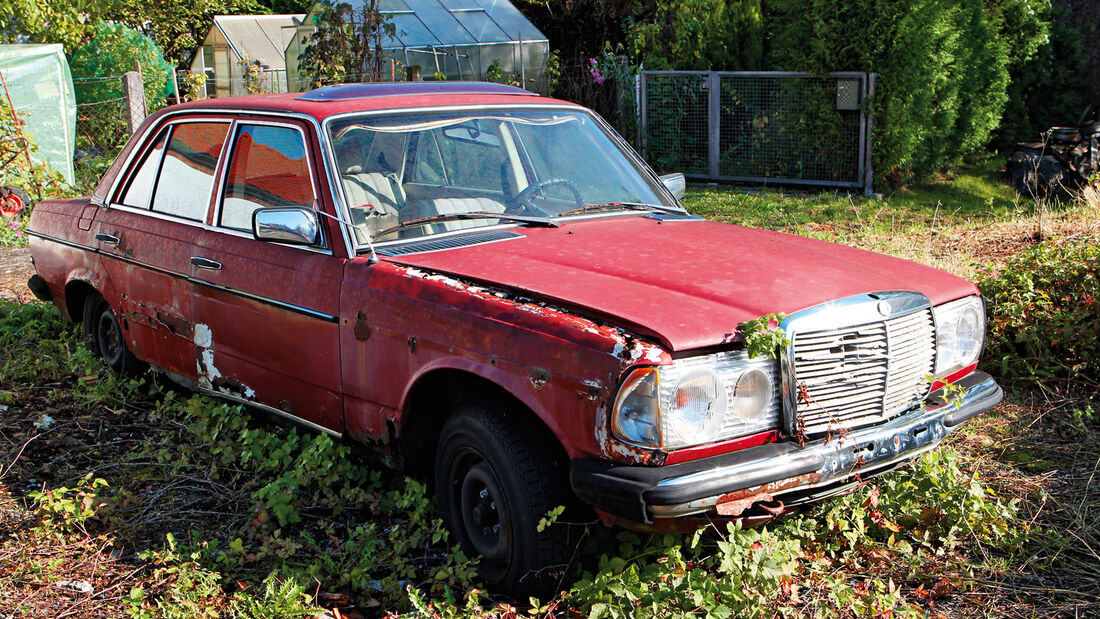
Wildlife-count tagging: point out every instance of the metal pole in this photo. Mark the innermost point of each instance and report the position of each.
(522, 63)
(869, 106)
(714, 109)
(458, 62)
(175, 85)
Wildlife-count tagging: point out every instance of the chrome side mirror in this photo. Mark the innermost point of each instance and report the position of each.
(675, 183)
(297, 226)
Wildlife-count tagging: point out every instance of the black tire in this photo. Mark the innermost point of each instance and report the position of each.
(104, 337)
(495, 480)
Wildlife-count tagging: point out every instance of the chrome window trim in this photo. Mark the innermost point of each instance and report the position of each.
(148, 147)
(627, 150)
(234, 130)
(840, 313)
(225, 111)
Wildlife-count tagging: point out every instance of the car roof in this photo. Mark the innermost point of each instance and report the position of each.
(341, 98)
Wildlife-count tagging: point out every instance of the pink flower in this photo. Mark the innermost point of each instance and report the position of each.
(596, 77)
(19, 234)
(592, 61)
(14, 225)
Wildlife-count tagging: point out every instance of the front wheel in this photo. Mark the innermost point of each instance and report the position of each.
(495, 481)
(104, 337)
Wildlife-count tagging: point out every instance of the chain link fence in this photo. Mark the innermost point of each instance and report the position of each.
(101, 129)
(759, 126)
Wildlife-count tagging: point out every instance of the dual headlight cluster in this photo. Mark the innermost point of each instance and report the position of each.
(726, 395)
(697, 400)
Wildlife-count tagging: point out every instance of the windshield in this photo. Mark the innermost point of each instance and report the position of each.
(416, 175)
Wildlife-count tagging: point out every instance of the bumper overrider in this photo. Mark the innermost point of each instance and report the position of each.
(731, 483)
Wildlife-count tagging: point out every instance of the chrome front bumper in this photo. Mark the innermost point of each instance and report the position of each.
(732, 482)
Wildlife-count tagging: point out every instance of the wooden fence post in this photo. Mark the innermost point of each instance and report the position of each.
(133, 92)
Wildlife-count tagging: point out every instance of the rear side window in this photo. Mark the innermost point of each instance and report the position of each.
(141, 185)
(187, 175)
(268, 168)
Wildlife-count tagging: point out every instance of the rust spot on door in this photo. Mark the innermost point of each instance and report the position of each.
(361, 329)
(176, 325)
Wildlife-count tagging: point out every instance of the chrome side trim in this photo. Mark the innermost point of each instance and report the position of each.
(235, 291)
(195, 386)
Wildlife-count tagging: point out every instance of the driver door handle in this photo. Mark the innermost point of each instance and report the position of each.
(206, 263)
(109, 239)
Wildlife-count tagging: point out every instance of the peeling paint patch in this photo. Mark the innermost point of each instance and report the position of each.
(208, 372)
(203, 337)
(210, 377)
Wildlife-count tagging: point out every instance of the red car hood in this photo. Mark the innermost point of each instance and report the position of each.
(687, 282)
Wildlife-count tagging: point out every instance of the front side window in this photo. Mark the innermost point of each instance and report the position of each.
(268, 168)
(187, 174)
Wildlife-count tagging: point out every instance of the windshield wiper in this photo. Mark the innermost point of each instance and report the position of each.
(424, 221)
(634, 206)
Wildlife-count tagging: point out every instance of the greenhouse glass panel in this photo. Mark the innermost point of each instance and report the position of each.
(411, 31)
(481, 26)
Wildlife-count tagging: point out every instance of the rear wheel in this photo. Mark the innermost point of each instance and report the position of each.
(104, 337)
(495, 481)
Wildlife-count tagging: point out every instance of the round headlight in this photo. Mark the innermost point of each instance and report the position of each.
(697, 407)
(752, 395)
(969, 334)
(637, 413)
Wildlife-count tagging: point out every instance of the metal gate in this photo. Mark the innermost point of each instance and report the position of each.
(760, 127)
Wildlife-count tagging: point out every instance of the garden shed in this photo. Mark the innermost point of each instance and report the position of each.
(234, 39)
(457, 39)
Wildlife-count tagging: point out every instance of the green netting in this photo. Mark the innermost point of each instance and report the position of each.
(40, 86)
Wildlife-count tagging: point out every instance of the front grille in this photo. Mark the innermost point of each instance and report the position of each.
(857, 375)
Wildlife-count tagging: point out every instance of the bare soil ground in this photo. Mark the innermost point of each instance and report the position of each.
(15, 268)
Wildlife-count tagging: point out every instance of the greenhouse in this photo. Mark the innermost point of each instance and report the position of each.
(454, 39)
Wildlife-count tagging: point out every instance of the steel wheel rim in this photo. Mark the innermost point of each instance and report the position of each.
(482, 511)
(109, 337)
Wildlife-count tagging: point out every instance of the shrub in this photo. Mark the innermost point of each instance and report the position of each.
(113, 50)
(702, 35)
(1044, 317)
(942, 67)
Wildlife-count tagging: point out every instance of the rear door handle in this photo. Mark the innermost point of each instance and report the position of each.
(107, 238)
(206, 263)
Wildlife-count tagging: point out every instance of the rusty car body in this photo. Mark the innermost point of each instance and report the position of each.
(490, 288)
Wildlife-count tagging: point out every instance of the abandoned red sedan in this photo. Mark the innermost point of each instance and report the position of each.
(491, 288)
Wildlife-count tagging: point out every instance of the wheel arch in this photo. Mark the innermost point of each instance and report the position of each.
(77, 292)
(434, 397)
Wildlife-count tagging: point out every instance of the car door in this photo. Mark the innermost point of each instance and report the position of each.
(149, 232)
(266, 312)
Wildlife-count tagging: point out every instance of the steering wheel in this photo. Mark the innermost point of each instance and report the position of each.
(522, 201)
